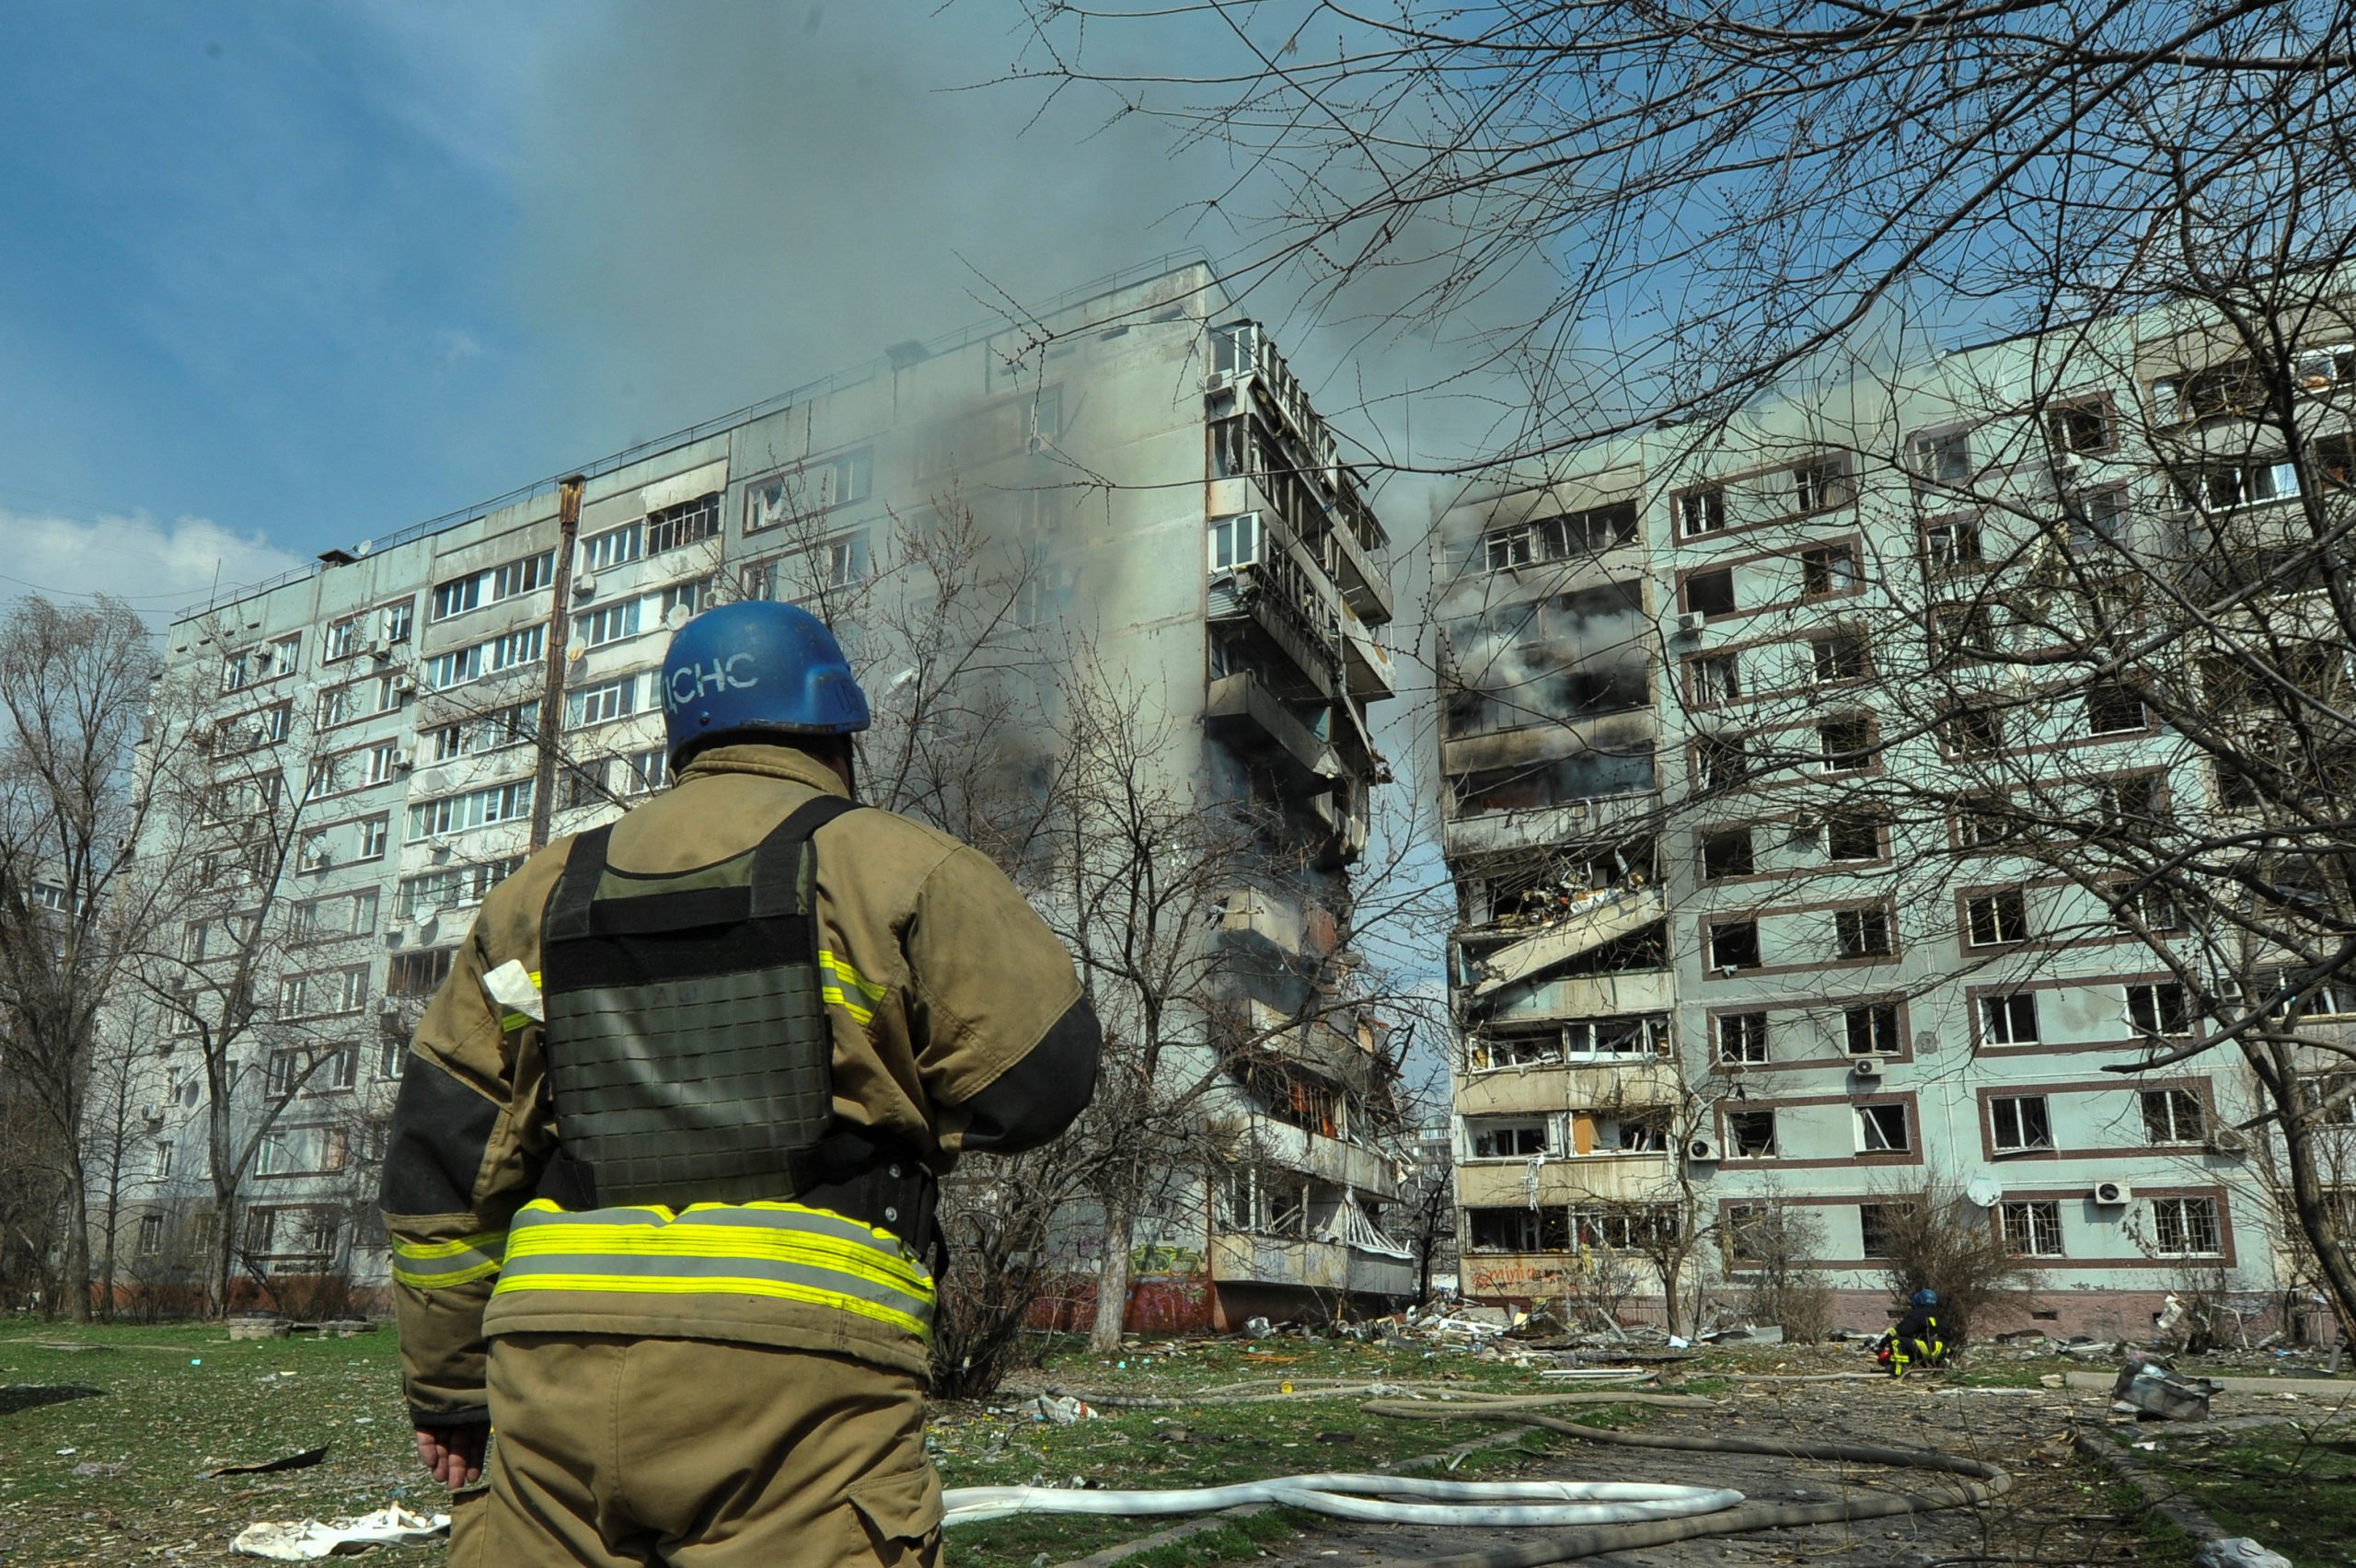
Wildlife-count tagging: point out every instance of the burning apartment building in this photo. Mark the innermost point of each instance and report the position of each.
(1134, 489)
(1879, 799)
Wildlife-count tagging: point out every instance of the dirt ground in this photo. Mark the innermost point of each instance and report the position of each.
(2058, 1511)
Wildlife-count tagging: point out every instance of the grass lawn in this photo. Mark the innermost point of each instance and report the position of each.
(2294, 1494)
(112, 1477)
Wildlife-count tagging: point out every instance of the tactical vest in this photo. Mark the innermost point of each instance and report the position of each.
(690, 1056)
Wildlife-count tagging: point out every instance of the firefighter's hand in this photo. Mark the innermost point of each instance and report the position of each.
(453, 1455)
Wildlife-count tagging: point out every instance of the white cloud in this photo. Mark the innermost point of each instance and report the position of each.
(158, 567)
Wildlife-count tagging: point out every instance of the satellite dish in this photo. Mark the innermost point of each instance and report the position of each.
(364, 547)
(1984, 1189)
(676, 617)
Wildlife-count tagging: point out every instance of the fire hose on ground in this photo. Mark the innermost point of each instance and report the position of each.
(1604, 1516)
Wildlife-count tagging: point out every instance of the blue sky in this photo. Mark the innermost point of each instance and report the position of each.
(279, 277)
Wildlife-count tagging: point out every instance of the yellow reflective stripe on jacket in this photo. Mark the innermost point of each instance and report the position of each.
(786, 1251)
(435, 1265)
(510, 1022)
(843, 980)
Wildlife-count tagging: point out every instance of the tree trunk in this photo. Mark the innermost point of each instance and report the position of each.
(1112, 1283)
(77, 1239)
(2313, 1206)
(105, 1251)
(1673, 1269)
(224, 1246)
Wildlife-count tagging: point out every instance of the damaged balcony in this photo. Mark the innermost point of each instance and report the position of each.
(1603, 917)
(1283, 601)
(1537, 1089)
(1243, 711)
(1605, 1178)
(1367, 671)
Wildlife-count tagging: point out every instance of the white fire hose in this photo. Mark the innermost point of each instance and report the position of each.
(1368, 1498)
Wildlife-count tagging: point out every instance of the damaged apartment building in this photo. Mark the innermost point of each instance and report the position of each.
(1809, 861)
(1142, 475)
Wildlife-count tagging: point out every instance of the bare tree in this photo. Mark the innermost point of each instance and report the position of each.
(79, 905)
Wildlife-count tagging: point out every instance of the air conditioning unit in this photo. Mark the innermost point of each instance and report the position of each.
(2112, 1194)
(404, 684)
(1217, 381)
(380, 647)
(318, 860)
(2228, 1140)
(402, 761)
(1690, 622)
(152, 1113)
(1867, 1068)
(1700, 1151)
(585, 585)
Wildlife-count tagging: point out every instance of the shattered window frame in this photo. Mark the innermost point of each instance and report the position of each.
(2011, 1018)
(1750, 1135)
(2019, 1123)
(1884, 1127)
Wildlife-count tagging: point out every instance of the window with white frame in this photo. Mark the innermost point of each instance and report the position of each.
(1742, 1037)
(1752, 1134)
(2226, 486)
(2032, 1228)
(301, 1150)
(1702, 511)
(694, 596)
(2173, 1115)
(376, 831)
(472, 808)
(1234, 541)
(2009, 1019)
(1995, 918)
(1840, 657)
(1828, 569)
(1497, 1138)
(1506, 548)
(1820, 484)
(1634, 1035)
(818, 485)
(2185, 1228)
(602, 703)
(844, 559)
(613, 548)
(2161, 1006)
(689, 521)
(1951, 544)
(1945, 457)
(1844, 744)
(2020, 1121)
(608, 623)
(1863, 933)
(1881, 1129)
(379, 763)
(527, 645)
(1718, 678)
(1871, 1030)
(648, 771)
(457, 597)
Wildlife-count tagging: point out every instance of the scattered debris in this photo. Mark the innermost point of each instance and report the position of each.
(286, 1541)
(250, 1328)
(1061, 1410)
(1258, 1327)
(2239, 1551)
(2147, 1387)
(92, 1467)
(302, 1460)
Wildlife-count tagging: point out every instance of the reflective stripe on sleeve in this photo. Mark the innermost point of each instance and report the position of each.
(784, 1252)
(436, 1266)
(842, 980)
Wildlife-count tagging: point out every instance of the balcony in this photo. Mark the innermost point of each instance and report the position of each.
(1541, 828)
(1244, 712)
(1366, 663)
(1288, 602)
(1572, 1180)
(1366, 586)
(1613, 913)
(1589, 996)
(1629, 1083)
(1251, 1258)
(1343, 1164)
(1373, 1274)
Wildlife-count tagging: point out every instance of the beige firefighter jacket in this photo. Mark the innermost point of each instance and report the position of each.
(949, 980)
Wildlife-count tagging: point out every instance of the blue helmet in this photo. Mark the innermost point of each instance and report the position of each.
(1925, 1298)
(753, 669)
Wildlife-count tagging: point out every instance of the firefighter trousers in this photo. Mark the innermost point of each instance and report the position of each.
(613, 1452)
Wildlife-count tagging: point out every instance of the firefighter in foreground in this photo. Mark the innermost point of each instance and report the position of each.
(1916, 1336)
(661, 1174)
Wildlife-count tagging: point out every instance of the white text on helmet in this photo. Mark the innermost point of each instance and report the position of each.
(698, 679)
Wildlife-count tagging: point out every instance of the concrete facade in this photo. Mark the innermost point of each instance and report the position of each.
(1151, 482)
(1708, 959)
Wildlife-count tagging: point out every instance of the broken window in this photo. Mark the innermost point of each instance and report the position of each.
(1507, 548)
(2009, 1019)
(1702, 511)
(668, 527)
(2133, 798)
(2172, 1115)
(1961, 632)
(1501, 1050)
(2020, 1121)
(2226, 485)
(1981, 820)
(2161, 1007)
(1881, 1129)
(1636, 1034)
(1722, 761)
(1718, 678)
(1871, 1030)
(1828, 569)
(1710, 592)
(1878, 1225)
(2078, 427)
(1996, 917)
(1518, 1229)
(1752, 1134)
(1863, 933)
(1725, 853)
(1494, 1139)
(2113, 709)
(1944, 458)
(1231, 447)
(1820, 484)
(1622, 1228)
(1734, 944)
(2096, 518)
(2032, 1229)
(2185, 1227)
(1643, 1132)
(1853, 835)
(1951, 544)
(1742, 1037)
(1838, 657)
(1972, 731)
(1844, 745)
(1595, 529)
